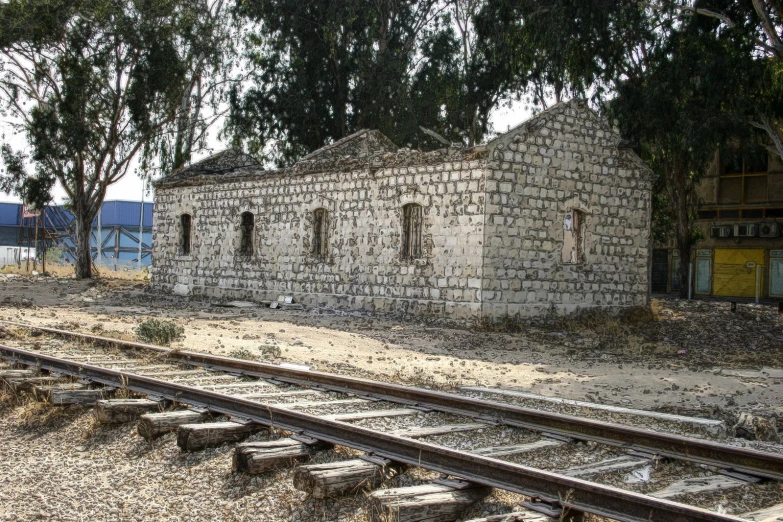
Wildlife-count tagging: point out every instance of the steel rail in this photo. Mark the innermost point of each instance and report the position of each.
(571, 493)
(722, 456)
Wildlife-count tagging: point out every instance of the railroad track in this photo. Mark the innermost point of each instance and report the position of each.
(439, 432)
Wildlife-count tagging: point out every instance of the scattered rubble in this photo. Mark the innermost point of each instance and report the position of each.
(753, 427)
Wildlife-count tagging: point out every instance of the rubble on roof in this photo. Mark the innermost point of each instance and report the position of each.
(227, 161)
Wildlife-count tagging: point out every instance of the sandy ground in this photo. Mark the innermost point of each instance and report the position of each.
(682, 357)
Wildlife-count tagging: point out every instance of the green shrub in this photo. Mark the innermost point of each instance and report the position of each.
(55, 255)
(159, 332)
(272, 352)
(241, 353)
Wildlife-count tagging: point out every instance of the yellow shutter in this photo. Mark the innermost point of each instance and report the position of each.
(734, 273)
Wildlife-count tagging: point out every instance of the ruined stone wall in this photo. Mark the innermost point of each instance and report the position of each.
(363, 269)
(566, 160)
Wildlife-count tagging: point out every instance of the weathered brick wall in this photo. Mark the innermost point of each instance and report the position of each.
(493, 225)
(364, 269)
(565, 159)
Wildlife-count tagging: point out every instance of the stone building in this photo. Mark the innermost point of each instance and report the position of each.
(740, 216)
(550, 217)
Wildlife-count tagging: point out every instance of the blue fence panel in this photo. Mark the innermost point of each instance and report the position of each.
(10, 213)
(124, 214)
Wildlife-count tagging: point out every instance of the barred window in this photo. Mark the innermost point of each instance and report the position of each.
(246, 230)
(574, 238)
(185, 221)
(320, 232)
(411, 231)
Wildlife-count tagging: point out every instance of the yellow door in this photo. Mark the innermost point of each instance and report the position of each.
(734, 274)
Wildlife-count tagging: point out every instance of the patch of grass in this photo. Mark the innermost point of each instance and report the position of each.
(42, 415)
(159, 332)
(271, 351)
(242, 353)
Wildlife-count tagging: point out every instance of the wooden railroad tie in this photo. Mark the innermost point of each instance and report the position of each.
(28, 384)
(195, 437)
(73, 393)
(153, 425)
(335, 479)
(18, 373)
(260, 457)
(440, 501)
(696, 485)
(118, 411)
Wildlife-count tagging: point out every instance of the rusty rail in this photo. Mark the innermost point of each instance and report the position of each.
(722, 456)
(571, 493)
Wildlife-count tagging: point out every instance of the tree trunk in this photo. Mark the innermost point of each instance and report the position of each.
(680, 187)
(684, 246)
(83, 261)
(683, 226)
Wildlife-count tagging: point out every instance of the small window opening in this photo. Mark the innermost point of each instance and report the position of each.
(246, 243)
(573, 237)
(185, 221)
(320, 232)
(411, 231)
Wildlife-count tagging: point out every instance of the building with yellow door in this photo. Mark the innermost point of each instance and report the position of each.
(740, 214)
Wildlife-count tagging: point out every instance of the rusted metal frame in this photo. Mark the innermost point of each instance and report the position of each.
(571, 493)
(743, 460)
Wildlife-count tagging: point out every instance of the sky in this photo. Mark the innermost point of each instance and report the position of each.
(130, 187)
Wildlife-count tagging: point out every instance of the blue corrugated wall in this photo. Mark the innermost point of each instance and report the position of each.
(10, 213)
(113, 213)
(125, 214)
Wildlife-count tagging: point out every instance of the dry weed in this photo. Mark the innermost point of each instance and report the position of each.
(132, 275)
(38, 415)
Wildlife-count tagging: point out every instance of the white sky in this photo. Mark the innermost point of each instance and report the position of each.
(129, 188)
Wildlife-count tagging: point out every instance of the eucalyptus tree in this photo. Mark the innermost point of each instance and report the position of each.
(211, 54)
(327, 68)
(94, 84)
(486, 75)
(762, 22)
(695, 96)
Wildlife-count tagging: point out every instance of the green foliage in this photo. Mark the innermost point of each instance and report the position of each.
(242, 353)
(35, 191)
(327, 69)
(695, 93)
(271, 351)
(55, 255)
(159, 332)
(679, 80)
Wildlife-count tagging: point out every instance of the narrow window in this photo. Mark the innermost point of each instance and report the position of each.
(185, 221)
(411, 231)
(246, 229)
(320, 232)
(573, 237)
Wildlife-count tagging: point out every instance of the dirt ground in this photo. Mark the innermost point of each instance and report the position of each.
(694, 357)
